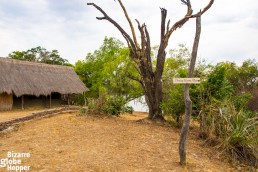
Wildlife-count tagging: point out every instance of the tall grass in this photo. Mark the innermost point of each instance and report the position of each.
(239, 134)
(236, 131)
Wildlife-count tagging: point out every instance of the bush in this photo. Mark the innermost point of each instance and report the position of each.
(95, 105)
(78, 99)
(110, 105)
(173, 103)
(128, 109)
(116, 106)
(241, 101)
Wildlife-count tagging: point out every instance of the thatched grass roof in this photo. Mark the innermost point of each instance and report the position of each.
(28, 78)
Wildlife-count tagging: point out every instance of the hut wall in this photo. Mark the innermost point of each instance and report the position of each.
(33, 102)
(6, 101)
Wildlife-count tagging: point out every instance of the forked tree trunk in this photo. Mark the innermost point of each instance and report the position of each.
(188, 102)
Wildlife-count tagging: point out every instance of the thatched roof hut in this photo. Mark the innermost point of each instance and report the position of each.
(22, 77)
(28, 78)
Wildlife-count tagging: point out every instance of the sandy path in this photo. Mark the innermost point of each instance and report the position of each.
(69, 142)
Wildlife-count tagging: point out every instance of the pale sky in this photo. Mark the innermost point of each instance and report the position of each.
(229, 28)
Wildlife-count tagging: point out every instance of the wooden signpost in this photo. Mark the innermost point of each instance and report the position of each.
(186, 80)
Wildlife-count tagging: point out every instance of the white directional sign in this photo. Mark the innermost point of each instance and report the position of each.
(186, 80)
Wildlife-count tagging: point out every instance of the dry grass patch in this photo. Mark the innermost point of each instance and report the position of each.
(13, 114)
(69, 142)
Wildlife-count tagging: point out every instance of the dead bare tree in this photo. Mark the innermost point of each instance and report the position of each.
(141, 53)
(187, 99)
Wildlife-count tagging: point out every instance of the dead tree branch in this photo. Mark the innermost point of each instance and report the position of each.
(188, 15)
(130, 23)
(122, 31)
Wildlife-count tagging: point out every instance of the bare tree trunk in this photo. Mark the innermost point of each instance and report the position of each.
(188, 102)
(153, 97)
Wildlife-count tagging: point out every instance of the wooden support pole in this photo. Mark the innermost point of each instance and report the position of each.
(187, 99)
(68, 100)
(22, 102)
(50, 101)
(85, 101)
(11, 102)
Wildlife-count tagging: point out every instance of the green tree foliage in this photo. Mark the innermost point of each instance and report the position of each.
(223, 108)
(217, 86)
(244, 80)
(175, 67)
(173, 103)
(226, 80)
(244, 77)
(108, 71)
(40, 55)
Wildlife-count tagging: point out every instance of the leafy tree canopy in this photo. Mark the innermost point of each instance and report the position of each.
(40, 55)
(108, 71)
(244, 78)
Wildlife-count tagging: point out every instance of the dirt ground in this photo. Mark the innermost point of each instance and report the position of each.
(9, 115)
(69, 142)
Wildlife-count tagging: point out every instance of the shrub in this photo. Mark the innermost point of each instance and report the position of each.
(95, 105)
(116, 106)
(173, 103)
(241, 101)
(78, 99)
(128, 109)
